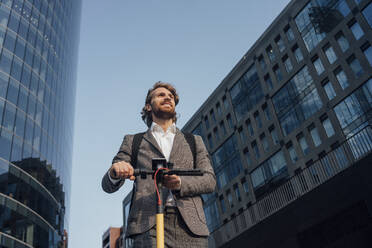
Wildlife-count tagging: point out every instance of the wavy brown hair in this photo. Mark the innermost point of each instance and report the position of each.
(147, 115)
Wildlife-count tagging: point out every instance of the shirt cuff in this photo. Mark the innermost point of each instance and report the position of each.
(112, 180)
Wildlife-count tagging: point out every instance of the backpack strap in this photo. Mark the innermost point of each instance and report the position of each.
(190, 138)
(135, 148)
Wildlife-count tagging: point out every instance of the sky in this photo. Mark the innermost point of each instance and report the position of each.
(125, 47)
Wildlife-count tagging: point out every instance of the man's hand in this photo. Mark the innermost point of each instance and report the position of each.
(172, 182)
(122, 170)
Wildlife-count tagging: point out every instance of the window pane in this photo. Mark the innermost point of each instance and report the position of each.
(280, 44)
(368, 54)
(258, 178)
(356, 67)
(289, 34)
(343, 43)
(268, 81)
(328, 127)
(330, 53)
(315, 136)
(298, 54)
(342, 79)
(270, 53)
(357, 31)
(367, 12)
(274, 136)
(318, 66)
(265, 143)
(288, 64)
(278, 74)
(292, 154)
(304, 146)
(329, 90)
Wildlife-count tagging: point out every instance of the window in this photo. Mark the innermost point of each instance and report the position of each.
(342, 42)
(250, 128)
(303, 144)
(222, 204)
(229, 198)
(267, 112)
(367, 13)
(258, 120)
(262, 63)
(210, 141)
(292, 153)
(255, 149)
(274, 136)
(329, 90)
(270, 53)
(225, 102)
(315, 136)
(213, 116)
(216, 134)
(368, 53)
(247, 156)
(330, 53)
(264, 142)
(219, 111)
(287, 64)
(237, 192)
(243, 138)
(245, 185)
(222, 127)
(355, 66)
(327, 125)
(318, 66)
(279, 42)
(357, 30)
(206, 122)
(298, 54)
(342, 79)
(229, 121)
(268, 82)
(289, 33)
(278, 73)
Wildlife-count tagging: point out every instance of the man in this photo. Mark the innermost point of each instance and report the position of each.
(184, 219)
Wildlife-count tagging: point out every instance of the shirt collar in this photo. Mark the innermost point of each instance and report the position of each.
(156, 128)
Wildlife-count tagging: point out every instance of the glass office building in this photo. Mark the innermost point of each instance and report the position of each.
(289, 131)
(38, 60)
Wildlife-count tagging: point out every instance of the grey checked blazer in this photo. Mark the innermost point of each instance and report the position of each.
(142, 215)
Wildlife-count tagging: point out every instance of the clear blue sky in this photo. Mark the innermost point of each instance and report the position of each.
(125, 47)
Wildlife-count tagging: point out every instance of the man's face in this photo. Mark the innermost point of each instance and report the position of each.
(162, 103)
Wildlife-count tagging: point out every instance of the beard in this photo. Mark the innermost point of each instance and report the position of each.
(165, 115)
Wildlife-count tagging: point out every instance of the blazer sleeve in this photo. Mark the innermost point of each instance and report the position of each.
(192, 186)
(124, 154)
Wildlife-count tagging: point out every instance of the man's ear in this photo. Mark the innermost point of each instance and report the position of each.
(148, 107)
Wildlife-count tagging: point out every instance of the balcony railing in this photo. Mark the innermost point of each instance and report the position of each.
(350, 151)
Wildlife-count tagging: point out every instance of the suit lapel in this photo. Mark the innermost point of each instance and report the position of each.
(177, 145)
(150, 138)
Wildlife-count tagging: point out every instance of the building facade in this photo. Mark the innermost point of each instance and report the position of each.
(38, 61)
(289, 133)
(112, 238)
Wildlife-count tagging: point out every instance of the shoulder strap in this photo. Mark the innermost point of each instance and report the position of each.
(135, 147)
(190, 138)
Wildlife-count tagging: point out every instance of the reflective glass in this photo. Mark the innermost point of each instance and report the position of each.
(343, 43)
(315, 136)
(330, 53)
(298, 54)
(289, 34)
(356, 30)
(274, 136)
(356, 67)
(280, 44)
(342, 79)
(288, 64)
(328, 127)
(268, 81)
(367, 13)
(304, 145)
(368, 54)
(292, 154)
(329, 90)
(318, 66)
